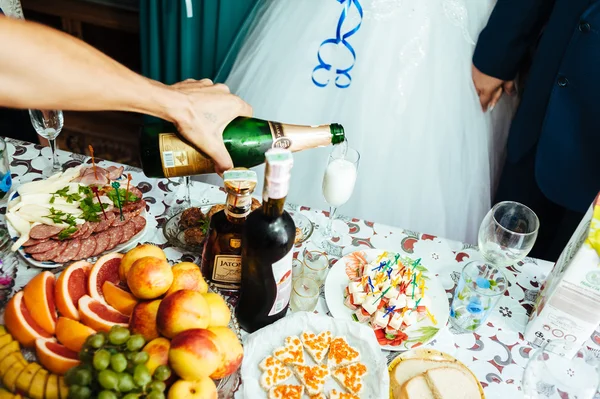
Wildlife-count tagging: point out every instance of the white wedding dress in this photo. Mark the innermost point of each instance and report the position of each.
(430, 157)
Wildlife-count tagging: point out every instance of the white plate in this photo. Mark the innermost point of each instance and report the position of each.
(337, 281)
(14, 236)
(263, 342)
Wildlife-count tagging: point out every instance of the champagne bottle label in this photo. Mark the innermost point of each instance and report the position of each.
(282, 272)
(227, 269)
(181, 159)
(298, 138)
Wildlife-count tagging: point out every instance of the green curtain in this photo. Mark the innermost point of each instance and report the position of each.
(175, 47)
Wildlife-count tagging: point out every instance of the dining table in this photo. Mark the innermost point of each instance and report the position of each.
(496, 353)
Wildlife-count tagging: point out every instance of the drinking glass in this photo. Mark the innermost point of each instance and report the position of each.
(480, 287)
(338, 184)
(551, 375)
(5, 176)
(508, 233)
(297, 269)
(48, 124)
(305, 294)
(316, 265)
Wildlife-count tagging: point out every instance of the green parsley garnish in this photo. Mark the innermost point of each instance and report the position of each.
(91, 209)
(66, 233)
(59, 217)
(85, 190)
(64, 192)
(112, 194)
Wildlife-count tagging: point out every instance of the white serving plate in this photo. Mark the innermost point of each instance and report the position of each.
(337, 281)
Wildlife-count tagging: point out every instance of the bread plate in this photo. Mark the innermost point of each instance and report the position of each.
(427, 359)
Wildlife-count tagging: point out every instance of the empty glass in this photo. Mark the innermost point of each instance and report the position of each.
(316, 265)
(305, 294)
(508, 233)
(48, 124)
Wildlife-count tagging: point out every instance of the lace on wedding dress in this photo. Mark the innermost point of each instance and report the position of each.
(382, 9)
(456, 12)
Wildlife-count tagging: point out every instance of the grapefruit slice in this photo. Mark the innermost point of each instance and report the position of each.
(105, 269)
(72, 334)
(55, 357)
(39, 298)
(99, 316)
(20, 324)
(70, 286)
(118, 298)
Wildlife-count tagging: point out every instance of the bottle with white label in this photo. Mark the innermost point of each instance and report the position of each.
(222, 255)
(267, 244)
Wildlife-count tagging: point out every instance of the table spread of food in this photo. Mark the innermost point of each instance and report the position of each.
(108, 299)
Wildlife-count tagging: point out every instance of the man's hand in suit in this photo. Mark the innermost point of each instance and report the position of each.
(490, 89)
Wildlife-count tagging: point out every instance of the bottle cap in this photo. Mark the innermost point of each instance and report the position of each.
(239, 181)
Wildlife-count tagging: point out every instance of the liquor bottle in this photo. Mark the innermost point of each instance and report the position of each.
(165, 154)
(267, 244)
(222, 255)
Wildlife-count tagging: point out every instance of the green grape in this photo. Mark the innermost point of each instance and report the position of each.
(131, 396)
(141, 358)
(141, 375)
(118, 362)
(86, 355)
(101, 359)
(107, 395)
(82, 377)
(79, 392)
(108, 379)
(126, 383)
(157, 386)
(155, 395)
(118, 335)
(70, 376)
(162, 373)
(96, 341)
(135, 342)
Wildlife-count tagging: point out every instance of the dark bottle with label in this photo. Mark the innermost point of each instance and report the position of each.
(221, 258)
(267, 247)
(164, 154)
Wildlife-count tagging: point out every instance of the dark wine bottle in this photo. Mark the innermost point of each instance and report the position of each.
(267, 247)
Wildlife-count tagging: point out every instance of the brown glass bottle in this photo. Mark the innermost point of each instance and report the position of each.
(221, 258)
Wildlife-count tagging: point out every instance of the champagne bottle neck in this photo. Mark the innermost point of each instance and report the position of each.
(299, 138)
(273, 207)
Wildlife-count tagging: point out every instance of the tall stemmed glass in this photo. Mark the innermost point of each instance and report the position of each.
(508, 233)
(48, 124)
(338, 184)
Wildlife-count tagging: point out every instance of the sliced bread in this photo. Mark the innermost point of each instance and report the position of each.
(452, 383)
(415, 388)
(409, 368)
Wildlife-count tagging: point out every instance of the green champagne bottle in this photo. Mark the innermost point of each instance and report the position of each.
(165, 154)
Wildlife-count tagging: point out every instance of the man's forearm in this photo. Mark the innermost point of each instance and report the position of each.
(47, 69)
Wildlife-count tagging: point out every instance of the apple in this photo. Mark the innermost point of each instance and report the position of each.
(143, 319)
(187, 276)
(136, 253)
(220, 315)
(149, 277)
(180, 311)
(231, 350)
(195, 354)
(202, 388)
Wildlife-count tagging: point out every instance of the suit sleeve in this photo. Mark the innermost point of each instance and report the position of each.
(512, 29)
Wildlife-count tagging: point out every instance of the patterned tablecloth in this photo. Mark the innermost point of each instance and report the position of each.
(496, 353)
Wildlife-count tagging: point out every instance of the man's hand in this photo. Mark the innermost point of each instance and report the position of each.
(211, 108)
(490, 89)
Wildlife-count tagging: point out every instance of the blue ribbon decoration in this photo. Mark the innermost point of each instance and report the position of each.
(340, 38)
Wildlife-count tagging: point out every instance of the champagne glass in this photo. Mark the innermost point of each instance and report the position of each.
(551, 375)
(508, 233)
(338, 184)
(48, 124)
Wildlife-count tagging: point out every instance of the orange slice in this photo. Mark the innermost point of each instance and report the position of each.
(20, 324)
(55, 357)
(99, 316)
(72, 334)
(39, 298)
(105, 269)
(70, 286)
(118, 298)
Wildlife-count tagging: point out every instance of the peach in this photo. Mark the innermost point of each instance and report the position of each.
(220, 315)
(182, 311)
(136, 253)
(149, 277)
(158, 353)
(143, 319)
(231, 350)
(187, 276)
(194, 354)
(203, 388)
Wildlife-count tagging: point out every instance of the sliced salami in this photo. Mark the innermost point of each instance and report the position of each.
(116, 233)
(91, 228)
(81, 230)
(105, 223)
(102, 241)
(88, 246)
(42, 247)
(49, 255)
(134, 206)
(70, 252)
(43, 231)
(140, 223)
(31, 242)
(136, 191)
(128, 231)
(118, 222)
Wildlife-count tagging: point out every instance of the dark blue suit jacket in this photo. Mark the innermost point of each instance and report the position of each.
(559, 115)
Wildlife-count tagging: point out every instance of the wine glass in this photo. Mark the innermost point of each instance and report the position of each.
(508, 233)
(551, 375)
(338, 184)
(48, 124)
